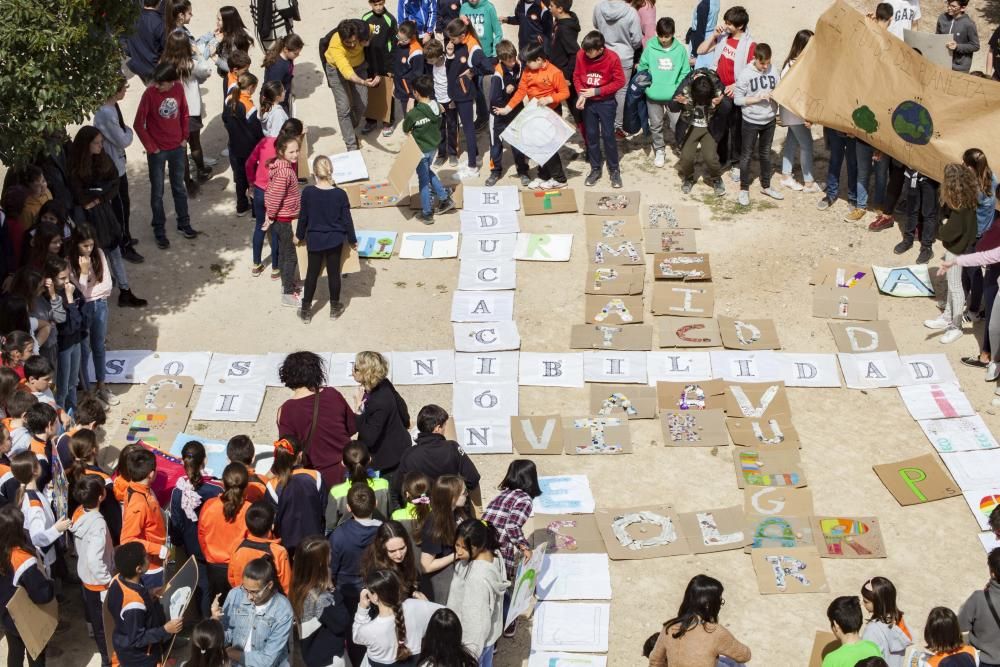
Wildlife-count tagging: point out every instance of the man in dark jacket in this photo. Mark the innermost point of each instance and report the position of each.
(964, 35)
(434, 455)
(145, 44)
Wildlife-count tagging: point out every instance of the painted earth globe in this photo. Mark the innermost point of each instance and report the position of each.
(913, 123)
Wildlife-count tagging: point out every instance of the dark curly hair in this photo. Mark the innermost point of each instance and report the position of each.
(303, 369)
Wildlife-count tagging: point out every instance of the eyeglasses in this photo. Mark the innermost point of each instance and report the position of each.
(253, 595)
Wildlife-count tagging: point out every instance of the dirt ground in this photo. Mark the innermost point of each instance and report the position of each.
(203, 298)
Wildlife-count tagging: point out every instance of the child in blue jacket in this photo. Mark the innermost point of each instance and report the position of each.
(423, 13)
(506, 78)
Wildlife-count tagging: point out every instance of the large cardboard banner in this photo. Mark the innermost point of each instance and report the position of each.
(905, 105)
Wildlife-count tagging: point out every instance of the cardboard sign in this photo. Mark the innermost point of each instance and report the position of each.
(848, 537)
(537, 435)
(543, 247)
(349, 166)
(927, 369)
(628, 401)
(349, 262)
(667, 216)
(614, 367)
(617, 280)
(845, 304)
(576, 627)
(551, 369)
(705, 395)
(772, 432)
(395, 188)
(567, 533)
(611, 204)
(484, 436)
(904, 281)
(709, 531)
(375, 244)
(777, 531)
(492, 200)
(917, 480)
(936, 401)
(809, 370)
(488, 246)
(236, 403)
(871, 370)
(777, 500)
(612, 228)
(177, 595)
(575, 577)
(681, 266)
(120, 367)
(484, 401)
(548, 202)
(789, 571)
(857, 338)
(746, 334)
(302, 166)
(833, 272)
(749, 366)
(824, 644)
(440, 245)
(616, 252)
(599, 309)
(238, 370)
(607, 436)
(564, 494)
(635, 533)
(482, 306)
(165, 392)
(380, 99)
(683, 300)
(688, 331)
(36, 623)
(973, 470)
(963, 434)
(611, 337)
(678, 366)
(489, 222)
(486, 337)
(193, 364)
(537, 131)
(982, 502)
(157, 429)
(487, 274)
(694, 428)
(758, 467)
(669, 240)
(523, 586)
(488, 367)
(426, 367)
(932, 47)
(757, 400)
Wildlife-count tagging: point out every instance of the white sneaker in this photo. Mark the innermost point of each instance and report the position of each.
(937, 324)
(811, 188)
(744, 198)
(291, 300)
(552, 184)
(734, 174)
(791, 184)
(951, 335)
(108, 397)
(467, 173)
(992, 371)
(659, 158)
(995, 402)
(772, 193)
(536, 184)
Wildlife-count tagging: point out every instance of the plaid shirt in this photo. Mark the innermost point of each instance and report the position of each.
(507, 513)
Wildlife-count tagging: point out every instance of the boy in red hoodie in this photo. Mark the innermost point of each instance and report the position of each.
(543, 82)
(161, 122)
(597, 77)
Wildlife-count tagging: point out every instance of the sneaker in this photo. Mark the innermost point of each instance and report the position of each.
(824, 203)
(188, 232)
(108, 397)
(616, 179)
(492, 179)
(659, 158)
(903, 246)
(620, 134)
(426, 218)
(511, 631)
(244, 212)
(951, 335)
(336, 310)
(305, 314)
(925, 255)
(130, 255)
(855, 215)
(975, 362)
(553, 184)
(210, 161)
(592, 177)
(743, 198)
(204, 174)
(444, 206)
(772, 193)
(291, 300)
(937, 324)
(525, 180)
(791, 184)
(387, 130)
(275, 274)
(811, 188)
(881, 222)
(368, 127)
(439, 160)
(162, 242)
(734, 174)
(992, 371)
(687, 186)
(256, 270)
(535, 184)
(452, 160)
(468, 173)
(128, 300)
(720, 187)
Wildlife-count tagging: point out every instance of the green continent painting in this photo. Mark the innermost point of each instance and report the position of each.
(864, 119)
(913, 123)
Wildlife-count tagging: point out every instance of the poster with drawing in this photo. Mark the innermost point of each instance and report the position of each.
(180, 589)
(635, 533)
(688, 331)
(848, 537)
(962, 434)
(349, 166)
(628, 401)
(557, 659)
(694, 428)
(165, 392)
(523, 585)
(669, 240)
(566, 533)
(860, 338)
(683, 300)
(538, 132)
(936, 401)
(768, 433)
(599, 309)
(616, 280)
(760, 467)
(537, 435)
(747, 334)
(982, 502)
(917, 480)
(616, 252)
(845, 304)
(777, 500)
(610, 204)
(773, 531)
(904, 281)
(564, 494)
(633, 337)
(668, 216)
(597, 436)
(612, 228)
(681, 266)
(703, 395)
(833, 271)
(157, 429)
(789, 571)
(574, 577)
(709, 531)
(548, 202)
(973, 470)
(543, 247)
(375, 244)
(758, 400)
(440, 245)
(577, 627)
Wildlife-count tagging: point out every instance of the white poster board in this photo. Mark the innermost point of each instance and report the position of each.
(538, 132)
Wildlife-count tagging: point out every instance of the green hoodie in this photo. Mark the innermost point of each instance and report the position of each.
(484, 19)
(424, 121)
(667, 67)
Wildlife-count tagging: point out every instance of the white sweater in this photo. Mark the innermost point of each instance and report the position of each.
(378, 635)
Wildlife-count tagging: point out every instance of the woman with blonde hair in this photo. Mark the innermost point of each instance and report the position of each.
(325, 224)
(383, 418)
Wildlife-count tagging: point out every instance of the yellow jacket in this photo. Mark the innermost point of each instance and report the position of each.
(345, 60)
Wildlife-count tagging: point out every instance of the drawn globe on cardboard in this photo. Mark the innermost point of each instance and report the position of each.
(912, 122)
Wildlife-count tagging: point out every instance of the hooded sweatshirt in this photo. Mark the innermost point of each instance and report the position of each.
(93, 545)
(667, 67)
(976, 618)
(603, 72)
(564, 44)
(891, 640)
(484, 19)
(424, 121)
(963, 30)
(619, 23)
(546, 81)
(282, 198)
(476, 595)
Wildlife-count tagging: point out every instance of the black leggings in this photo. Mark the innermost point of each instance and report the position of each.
(16, 653)
(331, 258)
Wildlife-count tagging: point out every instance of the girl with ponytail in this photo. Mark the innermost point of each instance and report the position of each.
(394, 635)
(279, 64)
(296, 491)
(208, 645)
(478, 587)
(83, 447)
(257, 617)
(239, 116)
(222, 527)
(357, 462)
(39, 519)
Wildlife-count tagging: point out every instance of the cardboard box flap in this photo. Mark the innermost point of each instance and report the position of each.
(405, 165)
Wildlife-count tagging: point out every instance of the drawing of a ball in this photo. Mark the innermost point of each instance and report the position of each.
(913, 123)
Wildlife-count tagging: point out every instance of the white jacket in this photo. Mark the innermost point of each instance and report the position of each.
(192, 84)
(93, 546)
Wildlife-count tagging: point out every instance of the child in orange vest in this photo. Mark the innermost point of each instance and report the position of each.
(240, 449)
(20, 569)
(142, 518)
(222, 527)
(260, 541)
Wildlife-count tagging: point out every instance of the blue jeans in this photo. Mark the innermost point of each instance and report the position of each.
(486, 659)
(117, 266)
(841, 148)
(258, 233)
(67, 374)
(863, 154)
(799, 136)
(97, 312)
(429, 181)
(879, 196)
(158, 163)
(599, 122)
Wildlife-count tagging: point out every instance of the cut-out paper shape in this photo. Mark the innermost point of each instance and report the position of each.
(157, 429)
(777, 501)
(668, 216)
(871, 370)
(484, 401)
(597, 436)
(824, 644)
(611, 204)
(709, 531)
(904, 281)
(616, 252)
(699, 395)
(682, 266)
(488, 222)
(567, 533)
(917, 480)
(487, 274)
(599, 309)
(482, 306)
(774, 432)
(962, 434)
(499, 198)
(862, 338)
(678, 366)
(428, 367)
(936, 401)
(537, 435)
(808, 370)
(628, 401)
(611, 337)
(750, 366)
(614, 367)
(230, 403)
(375, 244)
(635, 533)
(577, 627)
(564, 494)
(760, 467)
(491, 367)
(538, 132)
(845, 304)
(427, 245)
(484, 436)
(688, 331)
(694, 428)
(349, 166)
(548, 202)
(777, 531)
(237, 370)
(759, 400)
(551, 369)
(488, 246)
(926, 369)
(543, 247)
(786, 571)
(973, 470)
(120, 367)
(683, 300)
(193, 364)
(747, 334)
(166, 392)
(491, 337)
(848, 537)
(669, 240)
(834, 272)
(556, 659)
(568, 576)
(617, 280)
(612, 228)
(523, 587)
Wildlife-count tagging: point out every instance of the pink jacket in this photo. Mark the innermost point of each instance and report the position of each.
(256, 166)
(282, 198)
(984, 258)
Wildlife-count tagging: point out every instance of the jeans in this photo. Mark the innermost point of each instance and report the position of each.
(429, 181)
(351, 101)
(67, 373)
(763, 136)
(237, 163)
(258, 231)
(599, 121)
(699, 138)
(657, 112)
(863, 153)
(486, 658)
(799, 136)
(93, 348)
(317, 258)
(158, 162)
(286, 249)
(841, 148)
(117, 266)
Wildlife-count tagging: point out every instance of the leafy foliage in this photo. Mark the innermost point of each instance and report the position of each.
(60, 60)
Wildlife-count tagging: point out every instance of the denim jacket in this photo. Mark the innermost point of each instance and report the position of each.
(271, 631)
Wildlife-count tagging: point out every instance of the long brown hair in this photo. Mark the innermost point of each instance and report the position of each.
(377, 558)
(244, 82)
(269, 94)
(193, 457)
(799, 43)
(389, 589)
(85, 232)
(291, 41)
(285, 461)
(959, 187)
(178, 52)
(83, 165)
(975, 160)
(882, 594)
(356, 460)
(12, 535)
(416, 487)
(23, 466)
(83, 447)
(310, 571)
(235, 479)
(444, 514)
(234, 32)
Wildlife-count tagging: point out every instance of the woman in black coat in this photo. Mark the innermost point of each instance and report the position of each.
(383, 419)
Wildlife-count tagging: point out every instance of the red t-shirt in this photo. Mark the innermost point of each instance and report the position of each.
(725, 68)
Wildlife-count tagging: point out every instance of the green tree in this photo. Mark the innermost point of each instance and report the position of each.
(60, 58)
